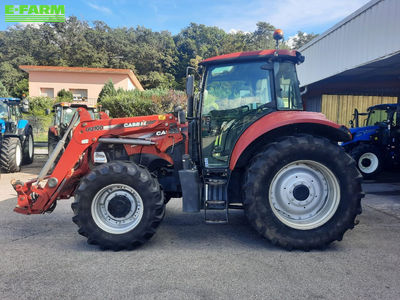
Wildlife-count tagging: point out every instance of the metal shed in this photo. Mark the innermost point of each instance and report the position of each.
(358, 57)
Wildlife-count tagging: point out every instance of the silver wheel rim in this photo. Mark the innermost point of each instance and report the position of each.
(30, 146)
(304, 194)
(18, 155)
(368, 163)
(102, 213)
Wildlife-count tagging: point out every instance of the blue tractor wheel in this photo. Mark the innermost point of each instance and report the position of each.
(369, 160)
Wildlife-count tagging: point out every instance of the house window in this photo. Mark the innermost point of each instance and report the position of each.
(47, 92)
(79, 94)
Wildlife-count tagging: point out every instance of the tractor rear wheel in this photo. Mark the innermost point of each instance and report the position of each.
(11, 155)
(369, 160)
(302, 192)
(118, 205)
(28, 149)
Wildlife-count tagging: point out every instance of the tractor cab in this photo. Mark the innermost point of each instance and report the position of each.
(63, 114)
(11, 114)
(236, 91)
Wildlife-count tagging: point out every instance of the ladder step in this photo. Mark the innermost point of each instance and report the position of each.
(215, 205)
(216, 221)
(216, 181)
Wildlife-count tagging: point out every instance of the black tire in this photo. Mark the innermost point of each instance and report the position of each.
(29, 149)
(302, 154)
(369, 160)
(8, 155)
(108, 176)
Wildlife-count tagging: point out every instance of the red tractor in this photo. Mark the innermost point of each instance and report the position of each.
(246, 143)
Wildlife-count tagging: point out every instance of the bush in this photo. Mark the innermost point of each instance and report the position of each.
(65, 96)
(107, 90)
(141, 103)
(37, 116)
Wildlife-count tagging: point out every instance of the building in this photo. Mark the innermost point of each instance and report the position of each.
(354, 64)
(84, 83)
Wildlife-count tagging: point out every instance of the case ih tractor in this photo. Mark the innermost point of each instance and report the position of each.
(246, 143)
(377, 144)
(16, 135)
(63, 113)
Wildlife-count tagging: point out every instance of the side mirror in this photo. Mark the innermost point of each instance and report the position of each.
(48, 111)
(190, 86)
(190, 95)
(25, 106)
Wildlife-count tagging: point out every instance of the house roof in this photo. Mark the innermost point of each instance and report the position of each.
(128, 72)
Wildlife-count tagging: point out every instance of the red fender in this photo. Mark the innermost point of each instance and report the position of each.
(271, 122)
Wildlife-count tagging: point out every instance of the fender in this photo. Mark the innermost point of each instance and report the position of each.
(22, 124)
(280, 119)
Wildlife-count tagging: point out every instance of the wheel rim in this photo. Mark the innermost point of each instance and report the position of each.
(30, 146)
(117, 208)
(368, 163)
(304, 194)
(18, 155)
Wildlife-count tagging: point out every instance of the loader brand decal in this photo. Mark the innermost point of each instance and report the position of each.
(138, 124)
(34, 13)
(95, 128)
(162, 132)
(135, 124)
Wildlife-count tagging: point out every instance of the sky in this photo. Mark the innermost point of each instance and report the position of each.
(312, 16)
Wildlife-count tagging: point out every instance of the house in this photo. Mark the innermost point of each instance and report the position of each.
(354, 64)
(84, 83)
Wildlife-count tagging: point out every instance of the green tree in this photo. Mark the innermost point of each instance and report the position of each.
(302, 38)
(64, 95)
(3, 90)
(21, 89)
(107, 90)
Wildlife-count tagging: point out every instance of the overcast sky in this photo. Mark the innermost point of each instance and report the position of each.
(173, 15)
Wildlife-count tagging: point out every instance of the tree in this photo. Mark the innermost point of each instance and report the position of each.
(107, 90)
(21, 89)
(3, 90)
(64, 95)
(302, 38)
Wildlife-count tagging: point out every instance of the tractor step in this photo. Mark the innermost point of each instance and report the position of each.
(216, 208)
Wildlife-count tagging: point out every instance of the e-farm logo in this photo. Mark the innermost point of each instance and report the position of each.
(35, 13)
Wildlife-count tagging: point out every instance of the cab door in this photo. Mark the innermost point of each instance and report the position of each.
(234, 96)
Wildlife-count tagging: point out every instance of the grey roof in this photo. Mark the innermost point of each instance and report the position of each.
(371, 33)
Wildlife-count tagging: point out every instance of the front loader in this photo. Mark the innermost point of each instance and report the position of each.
(246, 143)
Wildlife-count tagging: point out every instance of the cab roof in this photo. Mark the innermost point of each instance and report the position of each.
(388, 106)
(252, 55)
(74, 104)
(9, 99)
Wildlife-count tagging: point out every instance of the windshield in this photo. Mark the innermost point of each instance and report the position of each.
(377, 116)
(3, 110)
(287, 87)
(234, 96)
(237, 85)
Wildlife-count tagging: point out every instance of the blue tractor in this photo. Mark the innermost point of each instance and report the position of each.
(16, 138)
(377, 143)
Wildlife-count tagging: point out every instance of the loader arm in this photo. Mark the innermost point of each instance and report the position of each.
(39, 195)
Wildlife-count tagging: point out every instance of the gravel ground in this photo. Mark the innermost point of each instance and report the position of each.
(43, 257)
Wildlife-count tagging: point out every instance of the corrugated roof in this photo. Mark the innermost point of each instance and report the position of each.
(29, 68)
(369, 34)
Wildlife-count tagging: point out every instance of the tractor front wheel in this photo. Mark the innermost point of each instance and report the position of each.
(302, 192)
(28, 149)
(11, 155)
(118, 205)
(369, 160)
